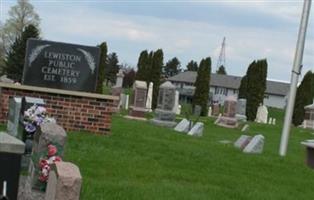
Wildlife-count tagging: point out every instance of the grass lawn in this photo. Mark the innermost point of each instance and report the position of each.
(142, 161)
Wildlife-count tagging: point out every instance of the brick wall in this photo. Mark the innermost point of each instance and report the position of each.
(73, 112)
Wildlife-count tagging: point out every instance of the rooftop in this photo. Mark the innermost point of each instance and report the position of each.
(232, 82)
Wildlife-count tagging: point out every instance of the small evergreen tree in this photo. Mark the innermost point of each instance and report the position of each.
(112, 68)
(102, 66)
(157, 63)
(141, 66)
(304, 96)
(221, 70)
(201, 94)
(192, 66)
(243, 88)
(172, 67)
(256, 86)
(15, 58)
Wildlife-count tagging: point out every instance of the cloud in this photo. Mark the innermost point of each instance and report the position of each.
(128, 34)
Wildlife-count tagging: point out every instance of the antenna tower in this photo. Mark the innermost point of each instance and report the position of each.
(222, 55)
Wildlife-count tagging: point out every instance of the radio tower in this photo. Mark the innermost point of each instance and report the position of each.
(222, 55)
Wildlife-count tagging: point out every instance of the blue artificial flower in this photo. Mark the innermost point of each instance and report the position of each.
(30, 128)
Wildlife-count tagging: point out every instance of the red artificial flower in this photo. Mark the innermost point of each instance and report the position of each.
(52, 150)
(42, 163)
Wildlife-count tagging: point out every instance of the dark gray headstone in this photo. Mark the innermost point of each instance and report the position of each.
(197, 110)
(60, 65)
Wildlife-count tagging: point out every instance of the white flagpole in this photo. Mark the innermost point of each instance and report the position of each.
(296, 70)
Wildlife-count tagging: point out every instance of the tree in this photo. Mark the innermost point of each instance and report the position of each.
(243, 88)
(112, 68)
(15, 58)
(129, 78)
(172, 67)
(221, 70)
(144, 66)
(256, 85)
(201, 94)
(304, 96)
(102, 67)
(192, 66)
(20, 16)
(157, 63)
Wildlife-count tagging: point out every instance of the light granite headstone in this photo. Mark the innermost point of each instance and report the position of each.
(138, 108)
(197, 129)
(241, 107)
(274, 121)
(242, 141)
(256, 145)
(262, 114)
(245, 128)
(270, 120)
(183, 126)
(64, 182)
(176, 102)
(164, 113)
(209, 114)
(178, 112)
(149, 97)
(15, 104)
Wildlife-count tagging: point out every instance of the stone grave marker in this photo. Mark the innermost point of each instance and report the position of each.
(215, 109)
(274, 121)
(270, 120)
(197, 129)
(209, 114)
(164, 113)
(242, 141)
(245, 128)
(64, 182)
(228, 119)
(61, 65)
(138, 108)
(14, 114)
(149, 97)
(183, 126)
(11, 150)
(256, 145)
(48, 133)
(241, 110)
(116, 90)
(262, 114)
(176, 102)
(178, 112)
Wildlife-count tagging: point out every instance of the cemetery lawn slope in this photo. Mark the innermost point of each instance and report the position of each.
(142, 161)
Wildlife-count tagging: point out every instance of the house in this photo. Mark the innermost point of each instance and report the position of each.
(222, 86)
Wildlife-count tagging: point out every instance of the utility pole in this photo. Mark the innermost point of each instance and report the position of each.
(296, 71)
(222, 55)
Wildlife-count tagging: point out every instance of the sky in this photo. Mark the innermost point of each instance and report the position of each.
(188, 30)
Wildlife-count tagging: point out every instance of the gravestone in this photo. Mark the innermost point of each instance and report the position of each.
(308, 117)
(270, 120)
(274, 121)
(124, 99)
(183, 126)
(138, 109)
(14, 114)
(11, 150)
(197, 129)
(64, 182)
(117, 89)
(216, 109)
(60, 65)
(309, 144)
(149, 97)
(245, 128)
(256, 145)
(228, 119)
(46, 134)
(178, 112)
(241, 110)
(209, 114)
(262, 114)
(176, 102)
(242, 141)
(164, 114)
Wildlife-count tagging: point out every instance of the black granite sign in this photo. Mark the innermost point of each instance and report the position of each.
(60, 65)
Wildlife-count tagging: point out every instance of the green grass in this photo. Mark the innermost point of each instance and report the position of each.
(141, 161)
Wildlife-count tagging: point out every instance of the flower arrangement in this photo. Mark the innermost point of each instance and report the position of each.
(45, 163)
(34, 116)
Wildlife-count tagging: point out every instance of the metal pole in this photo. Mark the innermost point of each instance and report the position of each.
(296, 70)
